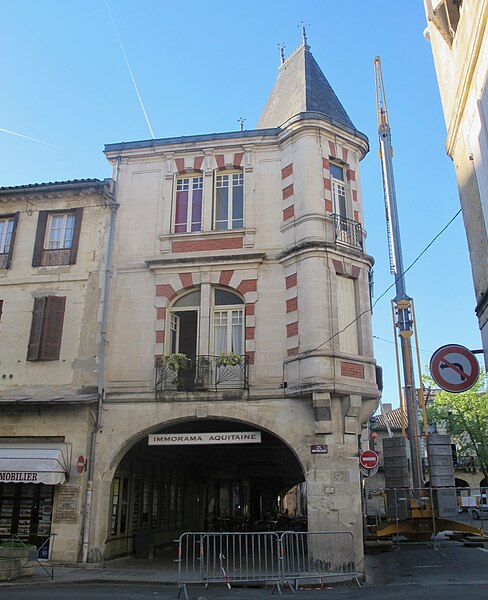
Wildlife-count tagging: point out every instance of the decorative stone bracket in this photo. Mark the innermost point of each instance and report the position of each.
(322, 412)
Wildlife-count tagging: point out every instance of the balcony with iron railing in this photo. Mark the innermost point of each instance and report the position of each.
(203, 373)
(348, 232)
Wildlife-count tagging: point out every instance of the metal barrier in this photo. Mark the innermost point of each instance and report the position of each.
(272, 557)
(321, 555)
(19, 557)
(228, 558)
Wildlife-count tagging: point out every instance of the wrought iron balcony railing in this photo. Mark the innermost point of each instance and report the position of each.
(203, 373)
(348, 232)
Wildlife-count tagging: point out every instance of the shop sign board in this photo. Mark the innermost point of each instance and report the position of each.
(194, 439)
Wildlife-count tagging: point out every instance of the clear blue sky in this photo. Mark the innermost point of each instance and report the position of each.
(199, 66)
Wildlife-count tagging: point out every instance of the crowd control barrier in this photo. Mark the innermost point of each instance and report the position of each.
(323, 556)
(283, 559)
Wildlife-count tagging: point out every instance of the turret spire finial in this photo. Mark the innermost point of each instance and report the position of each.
(281, 46)
(304, 34)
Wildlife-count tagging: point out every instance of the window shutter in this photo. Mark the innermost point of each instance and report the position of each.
(36, 329)
(40, 234)
(52, 328)
(347, 314)
(76, 236)
(12, 241)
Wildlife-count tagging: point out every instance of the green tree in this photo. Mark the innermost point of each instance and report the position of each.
(465, 416)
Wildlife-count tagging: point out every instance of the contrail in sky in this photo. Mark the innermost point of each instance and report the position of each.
(24, 136)
(130, 70)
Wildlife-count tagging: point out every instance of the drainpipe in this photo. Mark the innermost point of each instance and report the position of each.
(101, 370)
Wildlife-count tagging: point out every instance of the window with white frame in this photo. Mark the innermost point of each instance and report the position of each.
(57, 237)
(228, 321)
(226, 315)
(188, 204)
(59, 231)
(229, 200)
(338, 190)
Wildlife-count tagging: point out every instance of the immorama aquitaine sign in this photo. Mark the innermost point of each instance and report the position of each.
(185, 439)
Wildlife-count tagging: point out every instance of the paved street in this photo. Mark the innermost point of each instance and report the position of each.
(414, 571)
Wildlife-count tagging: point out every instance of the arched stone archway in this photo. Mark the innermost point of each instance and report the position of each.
(116, 469)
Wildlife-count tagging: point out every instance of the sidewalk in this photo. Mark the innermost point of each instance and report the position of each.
(451, 564)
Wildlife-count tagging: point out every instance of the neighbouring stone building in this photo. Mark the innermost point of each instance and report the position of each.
(238, 362)
(457, 31)
(52, 249)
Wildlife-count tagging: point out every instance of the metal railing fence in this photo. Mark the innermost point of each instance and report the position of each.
(280, 558)
(348, 232)
(203, 373)
(323, 555)
(19, 557)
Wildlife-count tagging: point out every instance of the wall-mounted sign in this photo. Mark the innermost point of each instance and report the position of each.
(319, 449)
(80, 464)
(66, 505)
(189, 439)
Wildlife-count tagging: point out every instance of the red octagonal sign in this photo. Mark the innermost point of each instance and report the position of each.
(369, 459)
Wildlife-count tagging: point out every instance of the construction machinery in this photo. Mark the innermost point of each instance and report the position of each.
(419, 513)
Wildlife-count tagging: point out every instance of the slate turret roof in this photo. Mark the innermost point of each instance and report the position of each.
(301, 87)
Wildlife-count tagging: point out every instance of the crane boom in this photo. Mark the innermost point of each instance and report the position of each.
(402, 302)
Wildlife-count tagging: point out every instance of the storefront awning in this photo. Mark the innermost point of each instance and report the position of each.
(34, 463)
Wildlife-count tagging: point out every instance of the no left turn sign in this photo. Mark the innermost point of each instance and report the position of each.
(454, 368)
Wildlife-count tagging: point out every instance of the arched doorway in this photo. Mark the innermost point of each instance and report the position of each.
(191, 484)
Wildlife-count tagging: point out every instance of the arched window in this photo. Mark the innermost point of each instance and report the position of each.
(228, 322)
(221, 307)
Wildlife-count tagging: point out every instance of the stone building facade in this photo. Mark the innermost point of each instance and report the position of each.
(245, 253)
(52, 249)
(459, 41)
(228, 358)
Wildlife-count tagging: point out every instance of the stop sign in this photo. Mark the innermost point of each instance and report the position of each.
(369, 459)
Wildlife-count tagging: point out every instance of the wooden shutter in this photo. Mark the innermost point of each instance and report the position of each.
(40, 235)
(76, 236)
(36, 329)
(52, 328)
(12, 241)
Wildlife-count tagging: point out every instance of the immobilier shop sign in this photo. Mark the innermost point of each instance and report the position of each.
(186, 439)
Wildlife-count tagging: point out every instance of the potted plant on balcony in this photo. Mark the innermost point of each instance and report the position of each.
(176, 362)
(229, 359)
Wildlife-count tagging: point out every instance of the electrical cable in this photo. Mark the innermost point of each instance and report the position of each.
(370, 309)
